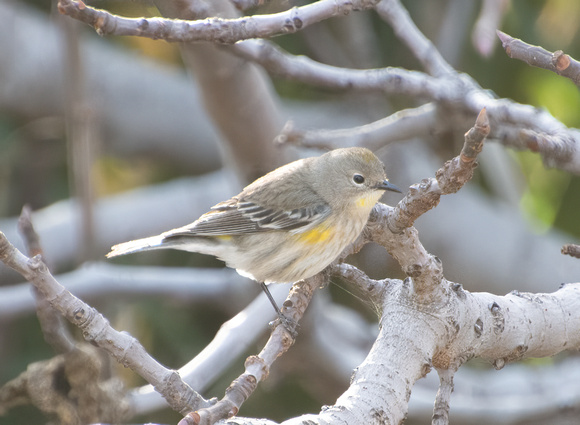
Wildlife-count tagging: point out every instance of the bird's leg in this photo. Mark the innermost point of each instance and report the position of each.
(289, 324)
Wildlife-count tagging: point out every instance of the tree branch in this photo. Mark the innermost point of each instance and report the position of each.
(393, 12)
(402, 125)
(258, 367)
(455, 91)
(97, 281)
(217, 30)
(124, 348)
(443, 398)
(557, 62)
(458, 93)
(53, 329)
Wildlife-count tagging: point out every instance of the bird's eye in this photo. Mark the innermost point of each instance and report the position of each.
(358, 179)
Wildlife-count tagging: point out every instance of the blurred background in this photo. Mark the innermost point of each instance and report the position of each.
(110, 139)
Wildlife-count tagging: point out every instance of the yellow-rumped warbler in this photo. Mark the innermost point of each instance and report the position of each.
(289, 224)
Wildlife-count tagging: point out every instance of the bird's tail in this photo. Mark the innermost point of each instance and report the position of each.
(138, 245)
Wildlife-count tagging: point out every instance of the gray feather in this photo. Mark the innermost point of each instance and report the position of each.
(146, 244)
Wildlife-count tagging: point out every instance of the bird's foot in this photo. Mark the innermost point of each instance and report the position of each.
(290, 325)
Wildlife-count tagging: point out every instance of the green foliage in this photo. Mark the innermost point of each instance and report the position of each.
(558, 95)
(546, 189)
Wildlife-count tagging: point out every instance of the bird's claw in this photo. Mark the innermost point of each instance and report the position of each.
(290, 325)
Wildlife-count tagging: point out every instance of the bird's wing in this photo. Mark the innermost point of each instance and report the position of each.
(237, 217)
(276, 219)
(263, 206)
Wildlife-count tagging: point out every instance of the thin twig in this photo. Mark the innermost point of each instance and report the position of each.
(449, 88)
(217, 30)
(303, 69)
(449, 179)
(54, 330)
(443, 397)
(402, 125)
(258, 366)
(558, 62)
(96, 329)
(424, 270)
(371, 288)
(405, 29)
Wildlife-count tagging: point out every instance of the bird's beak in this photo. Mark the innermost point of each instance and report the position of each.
(387, 185)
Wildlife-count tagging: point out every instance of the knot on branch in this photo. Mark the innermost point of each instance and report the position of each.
(293, 23)
(257, 361)
(560, 60)
(82, 316)
(497, 318)
(554, 148)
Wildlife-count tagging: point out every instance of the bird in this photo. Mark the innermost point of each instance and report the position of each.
(289, 224)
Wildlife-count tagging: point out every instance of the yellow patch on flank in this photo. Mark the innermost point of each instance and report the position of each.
(224, 237)
(314, 236)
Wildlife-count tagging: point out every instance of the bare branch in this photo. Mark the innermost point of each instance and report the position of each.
(458, 91)
(398, 18)
(556, 149)
(371, 288)
(306, 70)
(443, 398)
(449, 179)
(223, 31)
(123, 347)
(402, 125)
(26, 229)
(438, 337)
(558, 62)
(258, 367)
(55, 332)
(461, 92)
